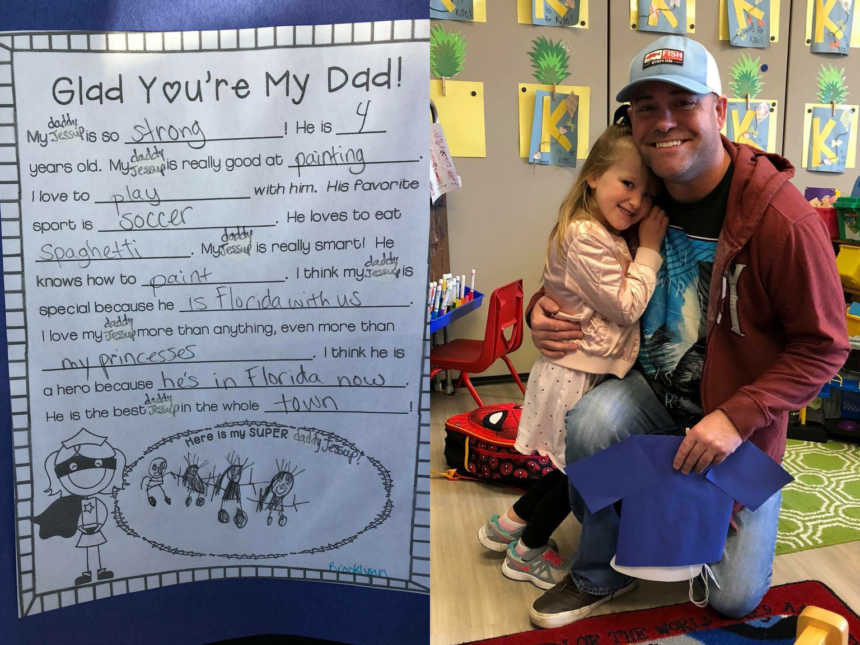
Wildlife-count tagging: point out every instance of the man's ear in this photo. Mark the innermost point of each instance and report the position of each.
(721, 104)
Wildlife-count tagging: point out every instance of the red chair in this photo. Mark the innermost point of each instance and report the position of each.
(504, 335)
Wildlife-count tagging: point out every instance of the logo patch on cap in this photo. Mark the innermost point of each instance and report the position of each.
(663, 56)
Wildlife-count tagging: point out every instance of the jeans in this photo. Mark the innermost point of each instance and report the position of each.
(613, 411)
(744, 572)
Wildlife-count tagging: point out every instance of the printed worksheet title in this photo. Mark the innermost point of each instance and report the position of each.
(77, 90)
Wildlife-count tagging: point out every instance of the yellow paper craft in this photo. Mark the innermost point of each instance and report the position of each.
(661, 5)
(855, 27)
(540, 8)
(551, 124)
(742, 125)
(461, 113)
(526, 94)
(851, 154)
(545, 125)
(479, 9)
(855, 24)
(724, 18)
(524, 12)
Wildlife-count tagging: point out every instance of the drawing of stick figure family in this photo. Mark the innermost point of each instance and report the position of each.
(273, 498)
(228, 485)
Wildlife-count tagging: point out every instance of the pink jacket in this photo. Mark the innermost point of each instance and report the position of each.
(596, 283)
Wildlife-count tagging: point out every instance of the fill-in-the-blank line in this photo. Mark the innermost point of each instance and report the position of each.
(157, 201)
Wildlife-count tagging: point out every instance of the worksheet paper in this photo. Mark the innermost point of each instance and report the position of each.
(214, 254)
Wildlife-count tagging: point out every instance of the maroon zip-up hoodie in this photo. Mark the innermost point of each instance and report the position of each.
(776, 311)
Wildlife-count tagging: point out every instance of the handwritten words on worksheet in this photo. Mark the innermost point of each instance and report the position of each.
(224, 260)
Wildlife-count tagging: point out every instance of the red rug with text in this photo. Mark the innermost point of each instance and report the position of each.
(773, 621)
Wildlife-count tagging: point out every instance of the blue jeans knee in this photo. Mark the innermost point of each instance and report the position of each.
(744, 573)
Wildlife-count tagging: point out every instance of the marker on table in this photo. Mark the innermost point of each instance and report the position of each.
(472, 288)
(445, 299)
(431, 297)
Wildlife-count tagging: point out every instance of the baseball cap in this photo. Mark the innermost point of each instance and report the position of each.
(676, 60)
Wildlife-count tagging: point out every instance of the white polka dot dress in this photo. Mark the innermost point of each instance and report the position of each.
(552, 390)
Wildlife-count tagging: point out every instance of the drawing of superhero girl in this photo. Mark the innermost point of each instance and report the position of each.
(85, 466)
(229, 485)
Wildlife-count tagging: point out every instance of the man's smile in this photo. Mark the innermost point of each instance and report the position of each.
(668, 144)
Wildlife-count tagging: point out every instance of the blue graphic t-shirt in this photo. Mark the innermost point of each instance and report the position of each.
(674, 323)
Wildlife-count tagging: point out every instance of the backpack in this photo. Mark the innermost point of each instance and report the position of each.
(480, 445)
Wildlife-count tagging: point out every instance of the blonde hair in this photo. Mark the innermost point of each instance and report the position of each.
(615, 142)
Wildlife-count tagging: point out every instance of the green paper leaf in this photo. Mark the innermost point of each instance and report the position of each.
(746, 77)
(447, 52)
(831, 84)
(550, 61)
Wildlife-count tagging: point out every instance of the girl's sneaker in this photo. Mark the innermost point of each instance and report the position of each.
(492, 536)
(543, 566)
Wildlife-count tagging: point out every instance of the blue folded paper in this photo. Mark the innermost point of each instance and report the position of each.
(668, 518)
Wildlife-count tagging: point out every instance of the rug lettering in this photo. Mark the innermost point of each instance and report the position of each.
(683, 625)
(634, 635)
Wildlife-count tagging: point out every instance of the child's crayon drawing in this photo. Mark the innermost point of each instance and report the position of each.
(832, 26)
(554, 129)
(831, 131)
(749, 23)
(751, 123)
(555, 13)
(452, 10)
(664, 16)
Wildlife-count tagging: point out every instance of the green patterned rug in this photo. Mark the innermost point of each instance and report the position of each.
(822, 505)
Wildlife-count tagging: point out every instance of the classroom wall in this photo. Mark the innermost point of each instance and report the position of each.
(499, 221)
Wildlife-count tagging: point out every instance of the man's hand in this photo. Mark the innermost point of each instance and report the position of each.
(554, 337)
(707, 443)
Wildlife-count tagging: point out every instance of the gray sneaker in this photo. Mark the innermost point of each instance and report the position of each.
(564, 604)
(543, 566)
(495, 538)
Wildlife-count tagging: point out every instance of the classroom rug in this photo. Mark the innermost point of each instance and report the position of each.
(773, 622)
(822, 505)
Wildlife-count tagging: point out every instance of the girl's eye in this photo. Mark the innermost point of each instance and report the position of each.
(627, 183)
